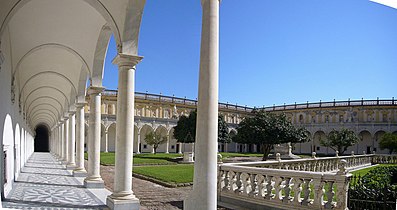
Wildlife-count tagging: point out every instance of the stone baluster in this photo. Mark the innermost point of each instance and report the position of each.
(318, 186)
(330, 195)
(269, 188)
(261, 184)
(306, 192)
(226, 181)
(297, 191)
(239, 183)
(278, 188)
(287, 190)
(254, 184)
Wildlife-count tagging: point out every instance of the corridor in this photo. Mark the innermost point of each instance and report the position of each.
(46, 184)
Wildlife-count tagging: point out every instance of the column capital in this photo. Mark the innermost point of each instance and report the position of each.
(92, 90)
(124, 60)
(80, 104)
(65, 116)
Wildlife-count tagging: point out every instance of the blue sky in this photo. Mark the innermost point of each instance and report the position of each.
(271, 51)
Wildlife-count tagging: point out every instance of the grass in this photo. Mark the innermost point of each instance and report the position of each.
(182, 173)
(234, 154)
(108, 158)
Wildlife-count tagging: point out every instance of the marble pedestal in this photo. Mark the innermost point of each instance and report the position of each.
(130, 204)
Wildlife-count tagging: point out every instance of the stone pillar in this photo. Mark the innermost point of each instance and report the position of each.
(138, 151)
(180, 148)
(72, 141)
(94, 179)
(106, 141)
(80, 171)
(167, 144)
(123, 196)
(204, 194)
(66, 141)
(59, 141)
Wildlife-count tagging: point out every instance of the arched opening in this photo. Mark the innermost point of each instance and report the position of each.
(41, 140)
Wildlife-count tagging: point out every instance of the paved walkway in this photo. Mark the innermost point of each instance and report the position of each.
(45, 184)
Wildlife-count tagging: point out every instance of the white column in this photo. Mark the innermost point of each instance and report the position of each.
(94, 179)
(167, 144)
(72, 141)
(106, 141)
(66, 140)
(123, 196)
(60, 140)
(80, 171)
(65, 133)
(138, 151)
(180, 148)
(62, 155)
(204, 194)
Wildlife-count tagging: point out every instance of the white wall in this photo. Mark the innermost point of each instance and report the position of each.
(14, 133)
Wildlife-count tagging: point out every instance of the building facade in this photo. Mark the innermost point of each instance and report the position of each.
(369, 119)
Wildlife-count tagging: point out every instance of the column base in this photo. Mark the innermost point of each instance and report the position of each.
(79, 173)
(70, 166)
(97, 183)
(63, 162)
(115, 204)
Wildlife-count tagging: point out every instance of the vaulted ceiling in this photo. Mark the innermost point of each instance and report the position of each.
(56, 46)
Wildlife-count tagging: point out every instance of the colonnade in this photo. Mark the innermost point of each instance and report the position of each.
(67, 137)
(204, 193)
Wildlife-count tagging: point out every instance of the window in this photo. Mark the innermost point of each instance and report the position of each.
(326, 118)
(172, 146)
(144, 146)
(384, 117)
(318, 148)
(300, 118)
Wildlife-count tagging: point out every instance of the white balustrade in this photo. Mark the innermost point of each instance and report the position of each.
(310, 183)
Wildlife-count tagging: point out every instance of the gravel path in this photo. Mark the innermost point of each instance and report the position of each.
(151, 195)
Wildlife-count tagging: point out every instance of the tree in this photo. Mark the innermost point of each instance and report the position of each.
(185, 130)
(388, 141)
(155, 139)
(267, 129)
(340, 140)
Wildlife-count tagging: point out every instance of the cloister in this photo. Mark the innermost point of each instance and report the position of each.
(50, 51)
(369, 119)
(51, 70)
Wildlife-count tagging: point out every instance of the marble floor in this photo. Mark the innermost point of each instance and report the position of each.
(46, 184)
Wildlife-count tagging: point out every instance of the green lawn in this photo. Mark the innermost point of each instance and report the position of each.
(141, 159)
(235, 154)
(182, 173)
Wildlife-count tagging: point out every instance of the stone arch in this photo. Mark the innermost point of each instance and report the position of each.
(377, 136)
(164, 132)
(46, 98)
(73, 87)
(112, 137)
(100, 54)
(174, 145)
(8, 152)
(96, 4)
(316, 146)
(143, 131)
(366, 143)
